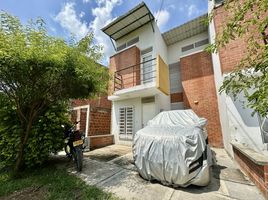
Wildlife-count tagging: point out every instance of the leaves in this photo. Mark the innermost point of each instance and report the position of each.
(46, 135)
(37, 73)
(35, 66)
(247, 19)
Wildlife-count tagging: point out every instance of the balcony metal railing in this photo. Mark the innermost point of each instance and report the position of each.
(138, 74)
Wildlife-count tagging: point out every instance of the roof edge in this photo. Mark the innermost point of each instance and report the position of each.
(188, 22)
(126, 14)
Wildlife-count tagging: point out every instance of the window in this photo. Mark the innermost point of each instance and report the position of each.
(128, 44)
(148, 71)
(126, 123)
(121, 47)
(148, 67)
(201, 43)
(133, 41)
(187, 48)
(195, 45)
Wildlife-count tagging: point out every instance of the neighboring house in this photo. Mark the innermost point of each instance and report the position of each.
(244, 136)
(95, 120)
(154, 72)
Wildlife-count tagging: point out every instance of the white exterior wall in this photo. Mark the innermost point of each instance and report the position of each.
(147, 38)
(162, 100)
(145, 34)
(221, 97)
(160, 105)
(243, 127)
(136, 103)
(160, 45)
(236, 121)
(174, 51)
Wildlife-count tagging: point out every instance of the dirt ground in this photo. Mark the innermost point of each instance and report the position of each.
(31, 193)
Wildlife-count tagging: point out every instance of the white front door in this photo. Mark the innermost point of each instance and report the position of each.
(148, 112)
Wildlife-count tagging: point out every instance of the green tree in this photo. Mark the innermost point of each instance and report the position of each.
(38, 71)
(46, 136)
(247, 19)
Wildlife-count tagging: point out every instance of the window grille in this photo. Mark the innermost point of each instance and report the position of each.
(126, 122)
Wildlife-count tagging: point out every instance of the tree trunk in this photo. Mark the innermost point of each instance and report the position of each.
(19, 160)
(24, 139)
(34, 110)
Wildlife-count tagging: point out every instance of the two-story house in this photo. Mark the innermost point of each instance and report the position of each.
(154, 72)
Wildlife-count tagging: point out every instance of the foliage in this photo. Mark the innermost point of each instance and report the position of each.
(38, 71)
(50, 183)
(247, 19)
(46, 136)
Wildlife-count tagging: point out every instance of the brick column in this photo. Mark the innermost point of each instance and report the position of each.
(199, 92)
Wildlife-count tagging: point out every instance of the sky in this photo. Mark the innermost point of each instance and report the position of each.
(79, 17)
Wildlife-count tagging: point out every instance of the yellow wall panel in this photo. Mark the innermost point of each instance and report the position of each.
(162, 76)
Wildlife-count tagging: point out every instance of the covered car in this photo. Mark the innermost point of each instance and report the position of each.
(172, 149)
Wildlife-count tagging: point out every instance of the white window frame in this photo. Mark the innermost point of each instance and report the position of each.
(148, 72)
(125, 135)
(78, 108)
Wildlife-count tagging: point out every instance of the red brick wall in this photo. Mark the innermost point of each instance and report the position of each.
(123, 60)
(198, 85)
(257, 173)
(74, 116)
(100, 121)
(236, 49)
(101, 141)
(176, 97)
(102, 102)
(232, 53)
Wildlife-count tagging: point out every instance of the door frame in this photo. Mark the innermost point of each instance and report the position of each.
(142, 117)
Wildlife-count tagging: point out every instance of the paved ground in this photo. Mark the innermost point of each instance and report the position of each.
(112, 169)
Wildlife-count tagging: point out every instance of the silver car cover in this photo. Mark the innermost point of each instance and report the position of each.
(172, 149)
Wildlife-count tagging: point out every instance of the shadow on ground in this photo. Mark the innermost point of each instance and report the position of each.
(112, 169)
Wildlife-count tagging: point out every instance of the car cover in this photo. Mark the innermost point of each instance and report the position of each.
(172, 149)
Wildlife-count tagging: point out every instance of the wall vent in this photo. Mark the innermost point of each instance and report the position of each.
(148, 100)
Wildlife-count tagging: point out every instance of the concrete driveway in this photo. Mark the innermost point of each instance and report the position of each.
(111, 168)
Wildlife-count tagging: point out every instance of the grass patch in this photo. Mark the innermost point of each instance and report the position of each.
(48, 183)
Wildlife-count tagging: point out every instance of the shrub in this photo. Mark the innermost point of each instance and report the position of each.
(46, 136)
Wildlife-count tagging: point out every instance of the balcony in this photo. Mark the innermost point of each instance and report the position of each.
(131, 76)
(149, 77)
